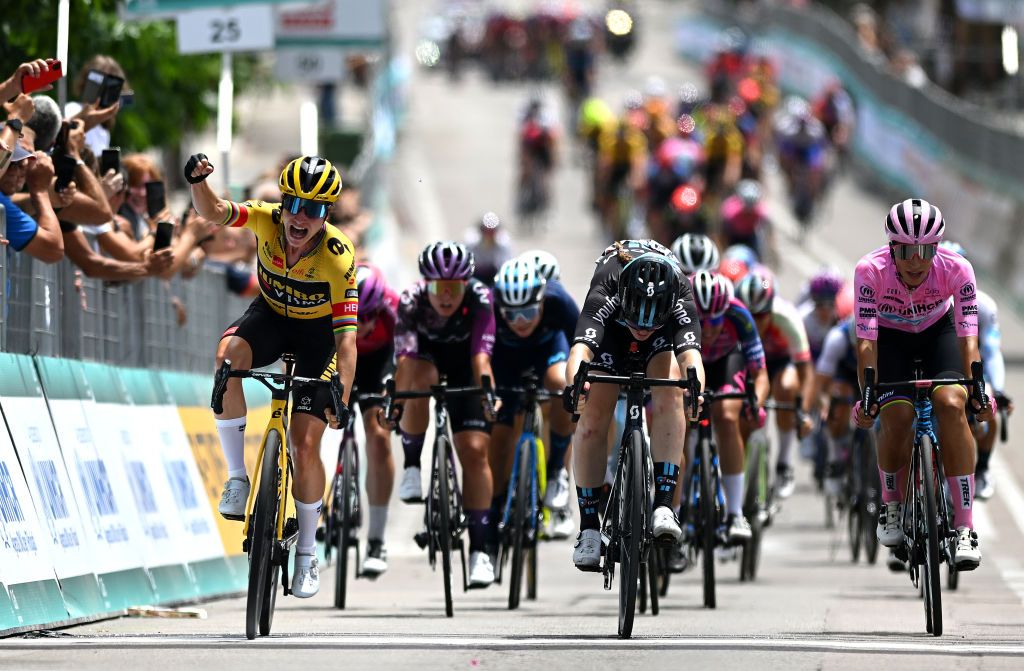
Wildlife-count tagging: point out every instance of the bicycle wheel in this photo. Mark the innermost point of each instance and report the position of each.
(345, 527)
(708, 518)
(262, 535)
(653, 572)
(631, 529)
(870, 495)
(521, 505)
(752, 510)
(444, 521)
(531, 571)
(932, 578)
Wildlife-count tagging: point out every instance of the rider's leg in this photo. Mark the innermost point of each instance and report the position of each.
(231, 422)
(414, 374)
(838, 435)
(309, 480)
(895, 439)
(471, 447)
(725, 417)
(590, 451)
(380, 473)
(668, 429)
(957, 451)
(501, 456)
(785, 387)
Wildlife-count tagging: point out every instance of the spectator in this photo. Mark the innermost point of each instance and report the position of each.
(19, 110)
(40, 236)
(491, 247)
(140, 169)
(98, 122)
(906, 66)
(46, 122)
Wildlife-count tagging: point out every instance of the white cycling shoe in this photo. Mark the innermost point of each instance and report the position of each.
(233, 499)
(307, 576)
(411, 489)
(664, 525)
(968, 554)
(481, 571)
(890, 524)
(562, 524)
(587, 552)
(556, 495)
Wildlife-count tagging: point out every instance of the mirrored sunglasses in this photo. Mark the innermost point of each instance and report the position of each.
(314, 209)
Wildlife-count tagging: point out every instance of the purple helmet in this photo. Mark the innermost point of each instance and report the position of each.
(446, 260)
(371, 287)
(915, 222)
(826, 284)
(712, 293)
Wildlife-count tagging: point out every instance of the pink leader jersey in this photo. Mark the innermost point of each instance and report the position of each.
(884, 301)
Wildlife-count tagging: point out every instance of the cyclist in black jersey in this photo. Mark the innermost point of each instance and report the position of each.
(639, 312)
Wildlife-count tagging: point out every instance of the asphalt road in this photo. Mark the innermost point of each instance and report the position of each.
(810, 607)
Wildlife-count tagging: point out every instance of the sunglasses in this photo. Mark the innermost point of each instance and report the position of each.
(907, 252)
(525, 313)
(453, 287)
(314, 209)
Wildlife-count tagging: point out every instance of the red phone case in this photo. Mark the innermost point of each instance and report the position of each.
(30, 84)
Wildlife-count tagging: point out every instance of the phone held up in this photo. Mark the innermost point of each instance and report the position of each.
(110, 160)
(64, 168)
(164, 233)
(30, 84)
(155, 199)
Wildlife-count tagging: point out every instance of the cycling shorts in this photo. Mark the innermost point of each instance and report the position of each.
(616, 354)
(371, 370)
(937, 347)
(776, 365)
(311, 341)
(727, 374)
(511, 364)
(452, 361)
(617, 174)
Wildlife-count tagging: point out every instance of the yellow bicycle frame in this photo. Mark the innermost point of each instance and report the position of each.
(277, 422)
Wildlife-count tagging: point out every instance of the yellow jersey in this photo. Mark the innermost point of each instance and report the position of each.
(618, 151)
(322, 283)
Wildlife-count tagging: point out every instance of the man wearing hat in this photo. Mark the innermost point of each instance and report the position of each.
(40, 237)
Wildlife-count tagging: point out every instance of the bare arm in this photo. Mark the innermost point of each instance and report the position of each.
(207, 203)
(345, 343)
(95, 265)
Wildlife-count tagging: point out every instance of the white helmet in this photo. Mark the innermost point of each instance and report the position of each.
(696, 252)
(547, 264)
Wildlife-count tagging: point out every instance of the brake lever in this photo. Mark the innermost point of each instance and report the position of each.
(220, 385)
(337, 391)
(694, 384)
(577, 387)
(867, 398)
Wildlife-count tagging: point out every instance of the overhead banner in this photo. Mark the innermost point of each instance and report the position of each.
(357, 24)
(991, 11)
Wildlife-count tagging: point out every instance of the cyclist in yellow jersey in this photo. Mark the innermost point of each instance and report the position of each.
(308, 305)
(621, 156)
(723, 147)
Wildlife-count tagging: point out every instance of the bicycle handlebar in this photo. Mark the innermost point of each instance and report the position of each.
(391, 395)
(583, 376)
(976, 382)
(225, 373)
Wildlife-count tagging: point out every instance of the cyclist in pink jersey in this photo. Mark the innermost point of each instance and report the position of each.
(788, 359)
(915, 300)
(731, 349)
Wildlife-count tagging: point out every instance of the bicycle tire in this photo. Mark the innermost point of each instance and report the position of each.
(444, 522)
(752, 511)
(631, 511)
(519, 523)
(708, 524)
(641, 593)
(344, 529)
(531, 572)
(952, 578)
(263, 531)
(933, 581)
(870, 495)
(653, 571)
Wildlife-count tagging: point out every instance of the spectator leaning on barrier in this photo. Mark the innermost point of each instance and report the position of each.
(40, 236)
(19, 110)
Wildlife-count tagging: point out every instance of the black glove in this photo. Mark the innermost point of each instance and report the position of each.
(190, 166)
(343, 415)
(568, 401)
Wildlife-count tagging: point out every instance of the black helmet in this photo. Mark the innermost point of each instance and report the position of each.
(648, 290)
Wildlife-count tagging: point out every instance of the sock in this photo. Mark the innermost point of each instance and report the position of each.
(894, 485)
(232, 442)
(961, 488)
(478, 522)
(983, 458)
(378, 522)
(589, 499)
(733, 485)
(497, 509)
(665, 477)
(308, 515)
(412, 446)
(557, 448)
(786, 440)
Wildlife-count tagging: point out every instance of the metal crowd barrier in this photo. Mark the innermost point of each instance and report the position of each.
(54, 310)
(3, 280)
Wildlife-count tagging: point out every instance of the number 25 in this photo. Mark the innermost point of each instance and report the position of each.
(225, 31)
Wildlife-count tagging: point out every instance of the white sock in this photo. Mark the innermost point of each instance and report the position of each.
(309, 518)
(378, 521)
(786, 440)
(733, 485)
(232, 442)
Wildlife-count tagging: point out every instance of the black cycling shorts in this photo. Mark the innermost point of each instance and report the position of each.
(937, 347)
(620, 353)
(372, 368)
(776, 365)
(728, 374)
(453, 362)
(311, 341)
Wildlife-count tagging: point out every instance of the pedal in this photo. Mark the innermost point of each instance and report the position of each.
(901, 553)
(291, 527)
(422, 539)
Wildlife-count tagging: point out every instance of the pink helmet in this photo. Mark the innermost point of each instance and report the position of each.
(712, 293)
(915, 222)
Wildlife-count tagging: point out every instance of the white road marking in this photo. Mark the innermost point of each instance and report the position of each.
(983, 524)
(413, 641)
(1008, 489)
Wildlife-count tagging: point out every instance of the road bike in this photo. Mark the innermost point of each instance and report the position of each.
(444, 517)
(929, 538)
(344, 514)
(625, 527)
(269, 532)
(522, 516)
